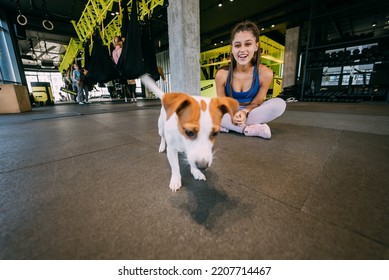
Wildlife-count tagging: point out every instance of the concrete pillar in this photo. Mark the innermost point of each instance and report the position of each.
(291, 56)
(184, 45)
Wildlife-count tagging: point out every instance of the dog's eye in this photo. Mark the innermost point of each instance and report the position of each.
(190, 134)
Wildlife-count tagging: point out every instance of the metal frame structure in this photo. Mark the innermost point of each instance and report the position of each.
(93, 15)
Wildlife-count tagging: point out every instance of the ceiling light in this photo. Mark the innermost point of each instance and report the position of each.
(374, 24)
(220, 4)
(272, 26)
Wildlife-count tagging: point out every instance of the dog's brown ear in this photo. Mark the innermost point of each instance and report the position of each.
(175, 103)
(226, 105)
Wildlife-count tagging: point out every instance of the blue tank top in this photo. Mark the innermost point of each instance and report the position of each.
(244, 96)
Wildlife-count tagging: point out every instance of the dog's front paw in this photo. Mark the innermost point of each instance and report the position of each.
(175, 183)
(162, 145)
(161, 148)
(197, 174)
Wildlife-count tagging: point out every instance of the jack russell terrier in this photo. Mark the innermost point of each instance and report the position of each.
(189, 124)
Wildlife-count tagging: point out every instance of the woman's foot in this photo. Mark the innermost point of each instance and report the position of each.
(223, 129)
(259, 130)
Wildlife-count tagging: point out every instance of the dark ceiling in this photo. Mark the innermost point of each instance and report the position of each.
(339, 18)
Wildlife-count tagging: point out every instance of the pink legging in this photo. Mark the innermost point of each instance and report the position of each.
(268, 111)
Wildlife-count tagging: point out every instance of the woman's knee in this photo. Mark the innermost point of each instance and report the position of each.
(226, 120)
(268, 111)
(280, 104)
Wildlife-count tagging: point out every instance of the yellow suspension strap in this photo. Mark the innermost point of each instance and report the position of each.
(71, 52)
(91, 44)
(120, 10)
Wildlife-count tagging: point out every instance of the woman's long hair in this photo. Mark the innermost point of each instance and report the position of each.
(256, 60)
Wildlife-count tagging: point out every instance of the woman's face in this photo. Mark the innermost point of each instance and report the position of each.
(244, 47)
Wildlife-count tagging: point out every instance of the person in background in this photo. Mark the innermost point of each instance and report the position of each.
(111, 88)
(83, 85)
(131, 84)
(132, 88)
(118, 46)
(247, 81)
(76, 80)
(67, 82)
(62, 97)
(73, 83)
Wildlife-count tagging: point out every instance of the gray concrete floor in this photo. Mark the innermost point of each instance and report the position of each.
(87, 182)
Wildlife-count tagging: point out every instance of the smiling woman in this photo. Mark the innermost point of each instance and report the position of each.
(248, 81)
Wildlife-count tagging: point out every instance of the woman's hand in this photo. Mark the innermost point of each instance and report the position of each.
(240, 117)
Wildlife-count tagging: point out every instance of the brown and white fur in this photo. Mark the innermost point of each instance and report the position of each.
(189, 124)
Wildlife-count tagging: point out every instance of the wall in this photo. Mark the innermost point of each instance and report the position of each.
(291, 56)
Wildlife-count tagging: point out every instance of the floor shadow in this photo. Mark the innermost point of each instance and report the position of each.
(207, 202)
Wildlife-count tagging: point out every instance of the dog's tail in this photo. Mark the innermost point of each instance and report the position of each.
(151, 85)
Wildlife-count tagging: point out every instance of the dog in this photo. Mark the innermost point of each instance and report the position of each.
(189, 124)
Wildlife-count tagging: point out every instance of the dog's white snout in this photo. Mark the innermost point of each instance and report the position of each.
(202, 164)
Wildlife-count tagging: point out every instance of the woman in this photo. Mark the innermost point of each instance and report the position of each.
(118, 45)
(76, 78)
(131, 84)
(248, 81)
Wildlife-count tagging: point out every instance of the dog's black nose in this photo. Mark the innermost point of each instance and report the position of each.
(202, 164)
